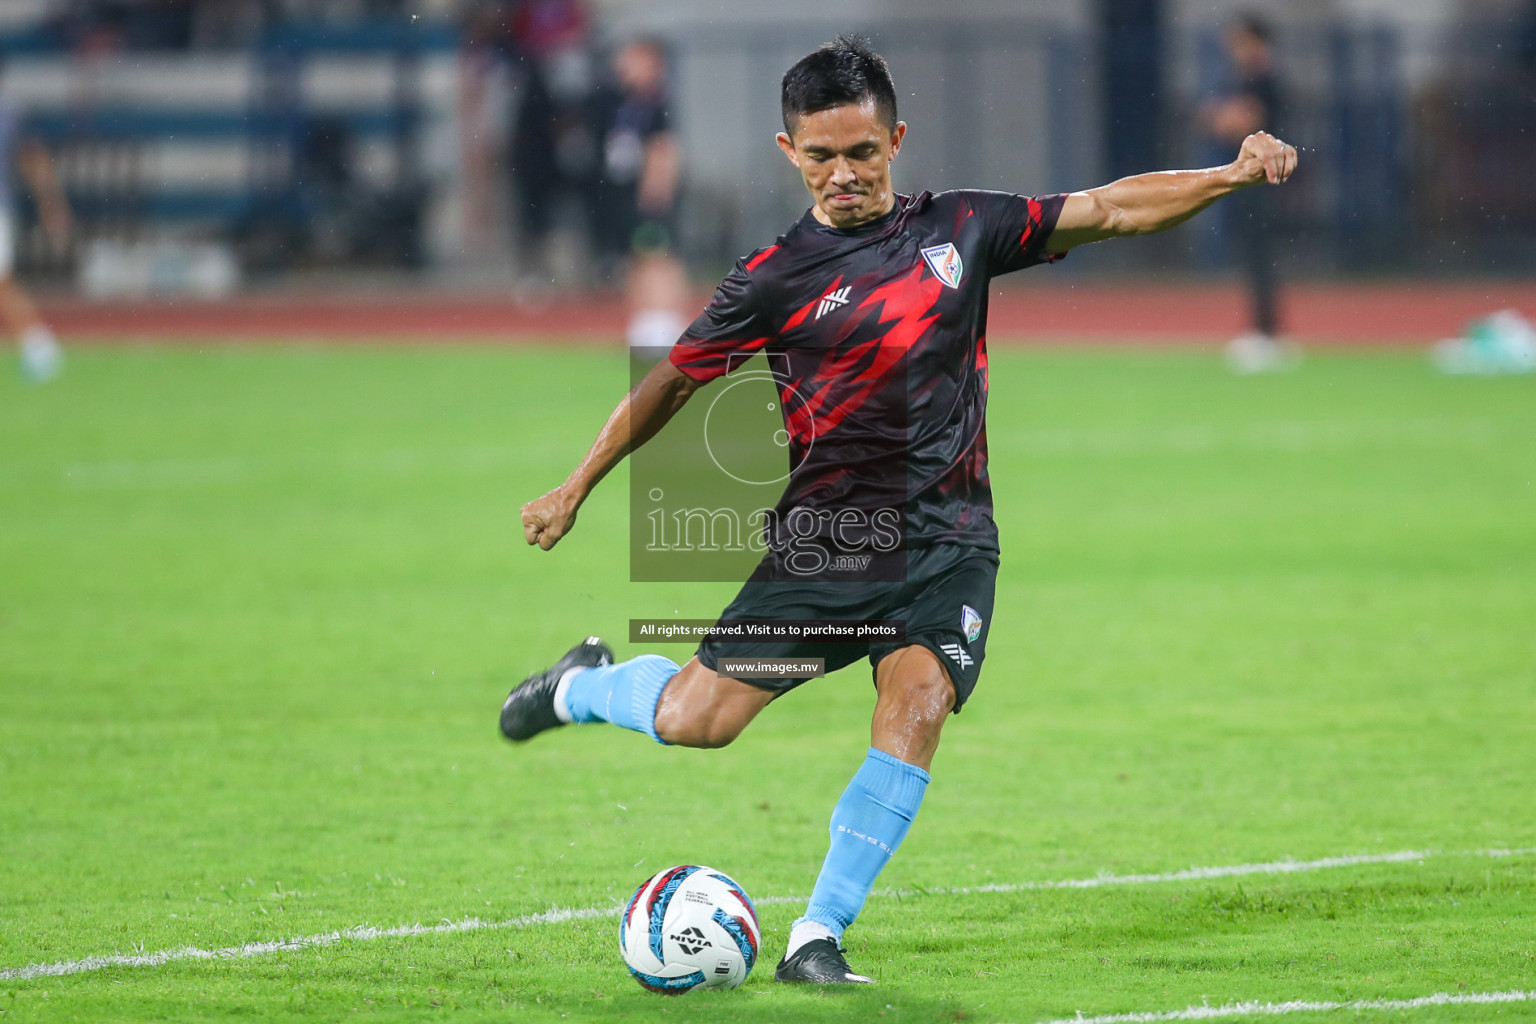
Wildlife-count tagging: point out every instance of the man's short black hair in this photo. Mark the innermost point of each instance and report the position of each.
(843, 71)
(1256, 25)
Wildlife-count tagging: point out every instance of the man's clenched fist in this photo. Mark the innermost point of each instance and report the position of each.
(547, 519)
(1265, 158)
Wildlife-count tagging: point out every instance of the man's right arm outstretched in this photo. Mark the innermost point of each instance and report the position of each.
(643, 412)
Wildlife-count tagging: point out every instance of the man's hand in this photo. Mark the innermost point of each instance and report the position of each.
(547, 519)
(1264, 158)
(645, 410)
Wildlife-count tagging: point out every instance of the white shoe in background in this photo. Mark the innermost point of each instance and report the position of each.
(41, 356)
(1257, 353)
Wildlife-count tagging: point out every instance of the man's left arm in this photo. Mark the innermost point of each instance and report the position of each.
(1147, 203)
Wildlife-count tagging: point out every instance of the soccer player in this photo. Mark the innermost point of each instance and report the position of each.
(872, 308)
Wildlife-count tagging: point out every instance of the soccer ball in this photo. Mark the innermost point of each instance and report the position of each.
(689, 927)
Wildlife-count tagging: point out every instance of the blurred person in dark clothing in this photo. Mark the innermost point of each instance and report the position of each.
(552, 149)
(635, 194)
(41, 357)
(1251, 102)
(637, 185)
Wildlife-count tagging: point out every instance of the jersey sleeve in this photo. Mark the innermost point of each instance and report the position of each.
(729, 331)
(1016, 227)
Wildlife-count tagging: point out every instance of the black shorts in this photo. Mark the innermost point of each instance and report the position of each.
(945, 604)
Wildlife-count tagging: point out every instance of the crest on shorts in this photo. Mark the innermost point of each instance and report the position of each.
(944, 260)
(970, 623)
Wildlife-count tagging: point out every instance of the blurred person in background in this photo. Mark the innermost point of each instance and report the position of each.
(551, 153)
(1249, 103)
(41, 356)
(635, 194)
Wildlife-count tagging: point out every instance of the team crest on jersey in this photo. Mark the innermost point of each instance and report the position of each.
(944, 260)
(970, 623)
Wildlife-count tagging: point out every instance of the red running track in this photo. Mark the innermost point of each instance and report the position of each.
(1402, 313)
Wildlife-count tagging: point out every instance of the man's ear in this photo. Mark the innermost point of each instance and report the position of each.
(897, 134)
(788, 146)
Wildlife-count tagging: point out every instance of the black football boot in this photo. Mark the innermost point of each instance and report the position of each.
(819, 962)
(530, 709)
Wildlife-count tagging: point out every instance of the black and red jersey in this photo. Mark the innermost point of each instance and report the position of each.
(876, 337)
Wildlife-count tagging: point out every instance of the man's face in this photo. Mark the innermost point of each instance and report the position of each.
(1247, 50)
(640, 68)
(844, 155)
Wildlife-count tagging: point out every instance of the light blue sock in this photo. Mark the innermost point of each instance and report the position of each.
(868, 823)
(625, 694)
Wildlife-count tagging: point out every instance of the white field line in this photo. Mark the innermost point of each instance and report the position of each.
(558, 915)
(1257, 1009)
(364, 933)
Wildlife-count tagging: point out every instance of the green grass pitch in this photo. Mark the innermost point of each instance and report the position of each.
(259, 607)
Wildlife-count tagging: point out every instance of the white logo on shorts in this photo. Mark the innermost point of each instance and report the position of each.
(957, 655)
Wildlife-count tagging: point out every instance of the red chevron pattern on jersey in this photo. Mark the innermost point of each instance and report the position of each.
(880, 361)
